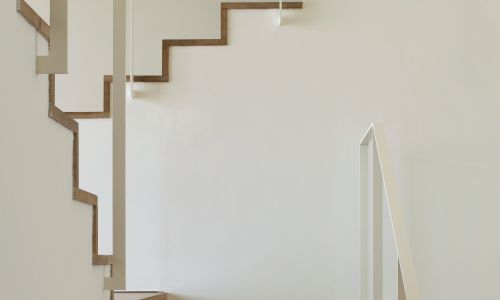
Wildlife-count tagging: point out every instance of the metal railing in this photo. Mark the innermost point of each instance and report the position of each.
(377, 183)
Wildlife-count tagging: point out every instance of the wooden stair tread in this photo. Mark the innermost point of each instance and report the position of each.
(126, 295)
(102, 260)
(33, 18)
(62, 118)
(85, 197)
(89, 114)
(261, 5)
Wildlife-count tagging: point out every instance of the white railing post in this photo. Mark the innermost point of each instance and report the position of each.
(379, 175)
(377, 227)
(118, 279)
(363, 204)
(57, 60)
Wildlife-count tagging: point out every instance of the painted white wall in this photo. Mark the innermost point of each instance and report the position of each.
(243, 171)
(45, 236)
(96, 174)
(90, 43)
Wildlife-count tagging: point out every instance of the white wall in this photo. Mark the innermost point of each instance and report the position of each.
(242, 172)
(45, 236)
(90, 54)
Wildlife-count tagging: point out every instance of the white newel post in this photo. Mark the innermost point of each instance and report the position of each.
(118, 279)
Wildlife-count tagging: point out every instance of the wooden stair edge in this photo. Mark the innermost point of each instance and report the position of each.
(102, 260)
(89, 114)
(262, 5)
(84, 197)
(33, 18)
(62, 118)
(158, 296)
(163, 296)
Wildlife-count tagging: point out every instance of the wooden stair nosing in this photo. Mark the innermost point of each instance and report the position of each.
(102, 260)
(158, 296)
(105, 114)
(262, 5)
(85, 197)
(33, 18)
(89, 115)
(62, 118)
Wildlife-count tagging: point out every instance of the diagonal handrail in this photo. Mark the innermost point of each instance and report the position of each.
(382, 181)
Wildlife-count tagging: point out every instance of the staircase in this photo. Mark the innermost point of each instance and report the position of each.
(67, 119)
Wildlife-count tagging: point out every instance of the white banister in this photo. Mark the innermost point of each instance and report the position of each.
(377, 180)
(118, 277)
(57, 60)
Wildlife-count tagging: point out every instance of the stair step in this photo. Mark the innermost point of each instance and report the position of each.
(139, 296)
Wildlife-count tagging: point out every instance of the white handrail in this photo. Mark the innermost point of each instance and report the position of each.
(382, 181)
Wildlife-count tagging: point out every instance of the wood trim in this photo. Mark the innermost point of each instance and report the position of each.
(159, 296)
(85, 197)
(78, 194)
(102, 260)
(69, 123)
(33, 18)
(89, 115)
(105, 114)
(56, 61)
(60, 117)
(261, 5)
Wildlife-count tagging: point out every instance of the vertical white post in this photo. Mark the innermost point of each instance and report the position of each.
(377, 228)
(118, 279)
(57, 60)
(383, 183)
(364, 175)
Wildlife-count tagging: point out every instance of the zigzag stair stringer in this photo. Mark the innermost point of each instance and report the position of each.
(168, 43)
(69, 123)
